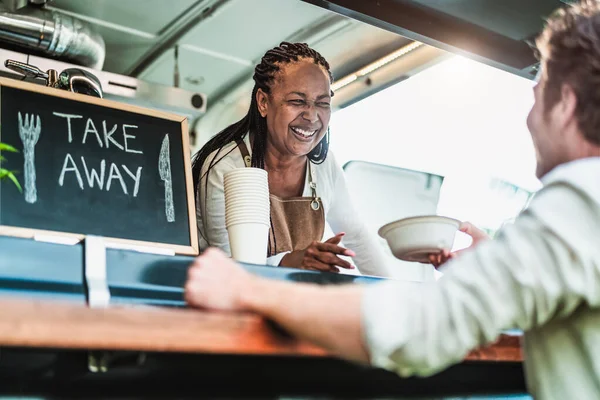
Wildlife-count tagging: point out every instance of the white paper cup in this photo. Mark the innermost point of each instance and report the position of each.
(240, 177)
(247, 173)
(262, 217)
(247, 211)
(247, 197)
(246, 190)
(249, 242)
(240, 204)
(250, 170)
(259, 218)
(234, 188)
(246, 217)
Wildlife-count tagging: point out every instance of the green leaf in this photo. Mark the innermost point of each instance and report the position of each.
(13, 178)
(2, 158)
(4, 173)
(7, 147)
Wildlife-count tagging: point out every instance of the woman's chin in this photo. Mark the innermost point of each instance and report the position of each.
(301, 151)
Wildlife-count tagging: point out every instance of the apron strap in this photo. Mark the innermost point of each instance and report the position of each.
(315, 204)
(245, 153)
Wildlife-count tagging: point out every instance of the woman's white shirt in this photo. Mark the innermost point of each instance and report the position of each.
(340, 213)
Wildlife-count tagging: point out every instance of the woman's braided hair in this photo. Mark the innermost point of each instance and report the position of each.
(253, 122)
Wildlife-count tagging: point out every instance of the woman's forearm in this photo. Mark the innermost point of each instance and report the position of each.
(292, 259)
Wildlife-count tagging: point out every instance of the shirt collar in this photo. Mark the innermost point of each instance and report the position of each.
(577, 170)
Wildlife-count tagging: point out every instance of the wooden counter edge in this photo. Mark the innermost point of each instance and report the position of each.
(64, 324)
(505, 348)
(73, 325)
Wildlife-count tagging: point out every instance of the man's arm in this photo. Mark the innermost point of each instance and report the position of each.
(532, 273)
(541, 268)
(329, 317)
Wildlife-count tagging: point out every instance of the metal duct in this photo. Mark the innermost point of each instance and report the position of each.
(53, 34)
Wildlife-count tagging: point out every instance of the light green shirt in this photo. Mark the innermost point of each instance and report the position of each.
(541, 275)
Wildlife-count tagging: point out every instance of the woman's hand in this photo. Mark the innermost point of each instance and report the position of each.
(320, 256)
(476, 234)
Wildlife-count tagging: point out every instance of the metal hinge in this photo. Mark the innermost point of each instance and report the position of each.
(97, 292)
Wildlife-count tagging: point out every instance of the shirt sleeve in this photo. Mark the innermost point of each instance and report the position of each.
(275, 260)
(343, 217)
(212, 205)
(539, 268)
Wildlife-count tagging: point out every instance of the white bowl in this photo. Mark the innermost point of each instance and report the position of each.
(415, 238)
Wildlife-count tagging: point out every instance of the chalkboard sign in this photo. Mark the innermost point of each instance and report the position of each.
(90, 166)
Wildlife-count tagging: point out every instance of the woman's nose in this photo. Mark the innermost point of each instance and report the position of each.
(310, 114)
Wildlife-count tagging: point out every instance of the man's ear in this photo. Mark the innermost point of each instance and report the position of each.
(568, 102)
(262, 101)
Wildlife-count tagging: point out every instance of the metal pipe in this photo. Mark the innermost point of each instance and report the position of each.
(169, 36)
(54, 34)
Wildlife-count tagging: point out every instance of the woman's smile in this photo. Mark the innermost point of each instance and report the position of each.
(304, 134)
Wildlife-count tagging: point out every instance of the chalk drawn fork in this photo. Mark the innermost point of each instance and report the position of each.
(29, 131)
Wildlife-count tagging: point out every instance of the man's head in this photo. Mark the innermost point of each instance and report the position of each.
(565, 119)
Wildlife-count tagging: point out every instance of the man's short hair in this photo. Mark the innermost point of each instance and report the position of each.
(569, 47)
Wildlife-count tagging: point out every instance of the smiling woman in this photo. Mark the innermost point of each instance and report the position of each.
(286, 132)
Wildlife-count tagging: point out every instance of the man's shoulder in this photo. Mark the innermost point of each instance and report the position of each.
(569, 203)
(581, 175)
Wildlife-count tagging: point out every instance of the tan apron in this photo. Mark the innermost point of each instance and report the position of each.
(296, 222)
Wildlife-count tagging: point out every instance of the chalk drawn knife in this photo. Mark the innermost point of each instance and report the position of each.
(164, 170)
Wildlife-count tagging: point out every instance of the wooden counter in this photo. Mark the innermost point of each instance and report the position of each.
(63, 324)
(506, 348)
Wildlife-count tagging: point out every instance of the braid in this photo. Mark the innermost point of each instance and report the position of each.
(253, 122)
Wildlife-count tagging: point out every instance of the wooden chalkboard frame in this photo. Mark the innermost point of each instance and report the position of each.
(192, 249)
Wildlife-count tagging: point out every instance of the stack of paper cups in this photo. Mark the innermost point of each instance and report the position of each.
(247, 214)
